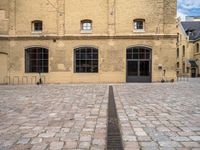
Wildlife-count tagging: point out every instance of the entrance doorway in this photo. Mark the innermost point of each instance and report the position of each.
(138, 64)
(193, 72)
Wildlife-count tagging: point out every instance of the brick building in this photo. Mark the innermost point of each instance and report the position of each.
(188, 51)
(84, 41)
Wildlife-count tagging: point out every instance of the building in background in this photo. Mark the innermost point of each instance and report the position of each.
(188, 51)
(84, 41)
(192, 18)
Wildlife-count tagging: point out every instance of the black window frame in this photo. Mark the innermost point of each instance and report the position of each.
(138, 53)
(86, 60)
(36, 60)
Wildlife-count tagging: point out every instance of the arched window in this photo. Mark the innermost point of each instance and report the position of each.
(138, 24)
(86, 60)
(197, 48)
(86, 25)
(37, 26)
(177, 65)
(183, 50)
(36, 60)
(177, 52)
(183, 67)
(135, 53)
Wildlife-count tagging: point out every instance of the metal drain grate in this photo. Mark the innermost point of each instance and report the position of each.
(114, 140)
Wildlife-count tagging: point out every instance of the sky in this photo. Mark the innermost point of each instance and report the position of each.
(188, 8)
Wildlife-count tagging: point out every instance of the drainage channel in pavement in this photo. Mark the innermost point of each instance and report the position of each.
(114, 139)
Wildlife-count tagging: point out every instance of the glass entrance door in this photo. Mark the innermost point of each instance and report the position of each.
(132, 68)
(144, 68)
(193, 72)
(138, 64)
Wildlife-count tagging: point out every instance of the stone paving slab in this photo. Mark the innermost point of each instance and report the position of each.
(53, 117)
(159, 116)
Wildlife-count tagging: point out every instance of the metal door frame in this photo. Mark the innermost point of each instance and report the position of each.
(139, 78)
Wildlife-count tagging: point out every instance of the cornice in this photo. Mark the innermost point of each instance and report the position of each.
(81, 37)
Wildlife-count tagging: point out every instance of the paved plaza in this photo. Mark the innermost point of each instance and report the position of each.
(151, 116)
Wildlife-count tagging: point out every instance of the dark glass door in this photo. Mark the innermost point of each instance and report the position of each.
(138, 64)
(133, 68)
(193, 72)
(144, 68)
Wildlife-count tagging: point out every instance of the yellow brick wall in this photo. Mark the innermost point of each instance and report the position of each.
(112, 34)
(95, 10)
(4, 17)
(30, 10)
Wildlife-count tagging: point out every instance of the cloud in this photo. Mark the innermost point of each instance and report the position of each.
(189, 4)
(181, 15)
(188, 8)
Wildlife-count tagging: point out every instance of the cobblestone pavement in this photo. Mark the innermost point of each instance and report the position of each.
(53, 117)
(159, 116)
(152, 116)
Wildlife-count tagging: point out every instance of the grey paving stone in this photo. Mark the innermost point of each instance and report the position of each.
(149, 144)
(56, 145)
(23, 141)
(180, 139)
(70, 144)
(41, 146)
(169, 144)
(36, 140)
(195, 138)
(84, 145)
(191, 144)
(47, 135)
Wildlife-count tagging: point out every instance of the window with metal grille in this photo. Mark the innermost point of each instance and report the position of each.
(86, 25)
(86, 60)
(37, 26)
(36, 60)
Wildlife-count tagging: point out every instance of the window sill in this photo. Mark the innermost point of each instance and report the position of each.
(36, 32)
(36, 72)
(86, 32)
(86, 73)
(139, 31)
